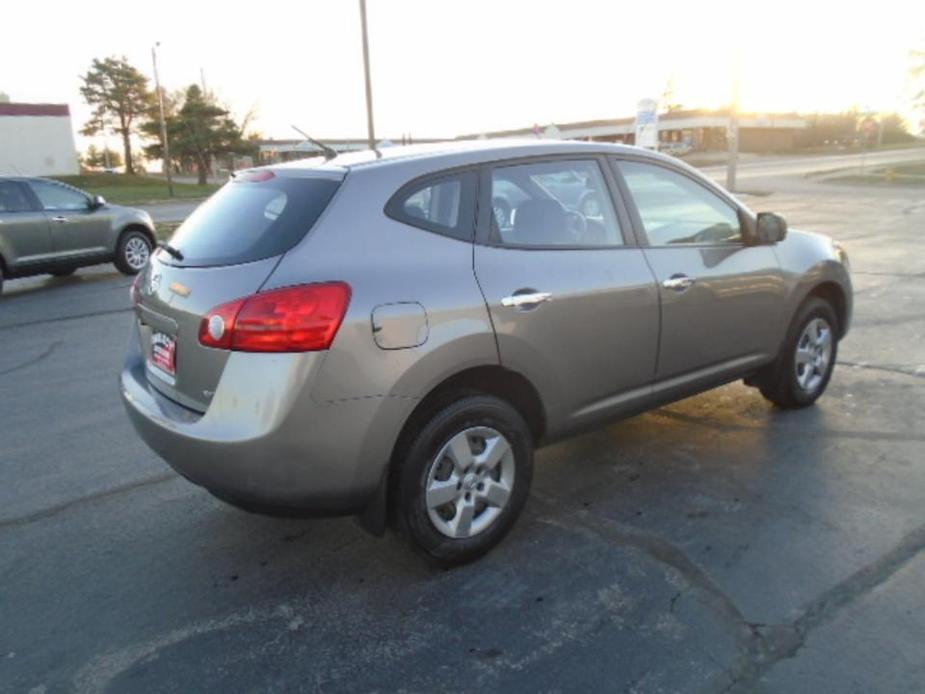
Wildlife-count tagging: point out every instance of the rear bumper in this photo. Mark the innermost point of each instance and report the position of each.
(264, 442)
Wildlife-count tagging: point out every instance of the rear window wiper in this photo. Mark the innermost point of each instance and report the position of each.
(174, 252)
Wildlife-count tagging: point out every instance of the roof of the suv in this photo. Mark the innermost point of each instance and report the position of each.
(470, 150)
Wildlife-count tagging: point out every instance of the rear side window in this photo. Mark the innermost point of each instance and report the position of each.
(444, 204)
(251, 218)
(553, 203)
(13, 197)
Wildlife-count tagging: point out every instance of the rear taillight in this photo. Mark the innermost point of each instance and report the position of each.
(135, 291)
(293, 319)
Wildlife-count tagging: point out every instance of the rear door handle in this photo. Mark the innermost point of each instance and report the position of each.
(678, 282)
(522, 300)
(59, 219)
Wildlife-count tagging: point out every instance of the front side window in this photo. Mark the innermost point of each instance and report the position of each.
(676, 210)
(443, 204)
(56, 197)
(553, 203)
(13, 197)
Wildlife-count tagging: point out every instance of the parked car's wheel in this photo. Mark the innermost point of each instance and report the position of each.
(803, 369)
(64, 272)
(132, 252)
(464, 479)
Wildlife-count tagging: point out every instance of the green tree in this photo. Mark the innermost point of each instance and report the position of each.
(95, 158)
(894, 129)
(917, 78)
(198, 130)
(120, 99)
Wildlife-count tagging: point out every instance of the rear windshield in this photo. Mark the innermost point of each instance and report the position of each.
(250, 219)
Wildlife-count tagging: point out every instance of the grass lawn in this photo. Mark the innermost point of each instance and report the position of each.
(916, 168)
(134, 190)
(165, 230)
(907, 174)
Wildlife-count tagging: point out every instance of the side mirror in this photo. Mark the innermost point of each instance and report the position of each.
(770, 228)
(97, 201)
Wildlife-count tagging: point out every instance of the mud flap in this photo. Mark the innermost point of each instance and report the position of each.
(374, 517)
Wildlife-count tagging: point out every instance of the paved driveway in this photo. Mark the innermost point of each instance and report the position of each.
(716, 544)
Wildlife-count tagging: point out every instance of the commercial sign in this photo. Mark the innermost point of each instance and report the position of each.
(647, 124)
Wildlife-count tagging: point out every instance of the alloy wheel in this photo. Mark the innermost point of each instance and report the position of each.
(813, 354)
(137, 252)
(469, 482)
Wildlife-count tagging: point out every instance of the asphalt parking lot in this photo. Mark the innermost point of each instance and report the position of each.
(714, 545)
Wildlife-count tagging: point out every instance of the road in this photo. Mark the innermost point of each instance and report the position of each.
(764, 173)
(716, 544)
(774, 167)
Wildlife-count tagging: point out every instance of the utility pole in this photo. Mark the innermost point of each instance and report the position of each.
(732, 137)
(371, 133)
(160, 102)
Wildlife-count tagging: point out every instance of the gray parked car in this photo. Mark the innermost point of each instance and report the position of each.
(49, 227)
(364, 335)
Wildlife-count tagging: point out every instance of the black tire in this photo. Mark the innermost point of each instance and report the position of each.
(127, 242)
(413, 468)
(779, 383)
(64, 272)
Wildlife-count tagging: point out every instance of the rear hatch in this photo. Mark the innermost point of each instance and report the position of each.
(224, 251)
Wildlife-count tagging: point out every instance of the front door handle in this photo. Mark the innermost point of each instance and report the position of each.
(525, 300)
(59, 219)
(678, 282)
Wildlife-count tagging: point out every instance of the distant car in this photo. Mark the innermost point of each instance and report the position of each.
(50, 227)
(365, 335)
(675, 149)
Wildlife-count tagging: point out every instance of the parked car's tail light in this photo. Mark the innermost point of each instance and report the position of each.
(304, 318)
(135, 291)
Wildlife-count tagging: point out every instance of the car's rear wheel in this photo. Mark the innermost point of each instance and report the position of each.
(464, 479)
(803, 368)
(132, 252)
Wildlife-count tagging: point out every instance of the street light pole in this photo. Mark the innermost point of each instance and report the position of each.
(160, 102)
(732, 138)
(369, 89)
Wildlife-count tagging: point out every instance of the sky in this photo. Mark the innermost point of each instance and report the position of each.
(451, 67)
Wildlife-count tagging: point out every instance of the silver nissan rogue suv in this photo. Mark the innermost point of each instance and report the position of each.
(393, 333)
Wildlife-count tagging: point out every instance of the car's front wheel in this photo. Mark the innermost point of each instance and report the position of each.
(132, 252)
(464, 479)
(803, 368)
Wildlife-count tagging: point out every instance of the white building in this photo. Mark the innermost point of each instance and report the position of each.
(37, 140)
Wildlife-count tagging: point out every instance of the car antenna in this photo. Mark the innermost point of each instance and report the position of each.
(329, 152)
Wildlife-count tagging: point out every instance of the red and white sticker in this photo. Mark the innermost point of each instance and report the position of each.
(164, 353)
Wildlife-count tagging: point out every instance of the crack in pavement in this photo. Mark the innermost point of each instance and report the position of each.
(914, 275)
(791, 638)
(825, 433)
(889, 368)
(749, 638)
(760, 646)
(896, 320)
(34, 360)
(59, 319)
(96, 496)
